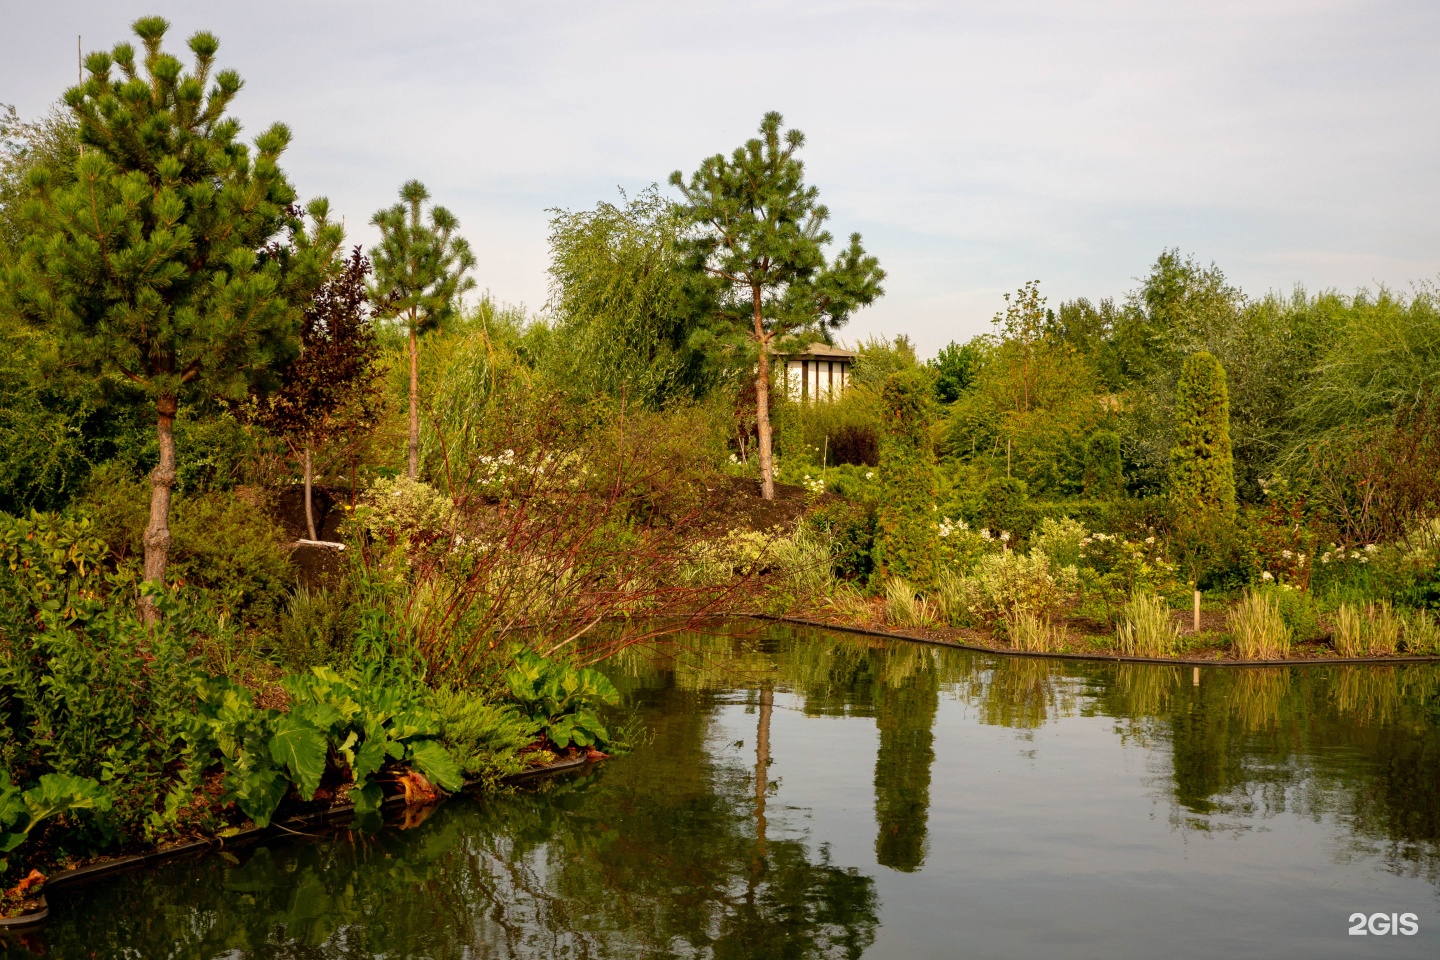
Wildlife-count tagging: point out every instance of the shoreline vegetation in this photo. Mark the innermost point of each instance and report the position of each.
(204, 391)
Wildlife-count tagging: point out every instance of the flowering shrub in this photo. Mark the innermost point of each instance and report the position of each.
(1008, 583)
(399, 511)
(1059, 540)
(961, 547)
(1113, 567)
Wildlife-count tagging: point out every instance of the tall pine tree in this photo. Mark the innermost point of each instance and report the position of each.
(420, 274)
(174, 256)
(761, 237)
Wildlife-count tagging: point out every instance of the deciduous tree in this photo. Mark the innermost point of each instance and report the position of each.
(330, 387)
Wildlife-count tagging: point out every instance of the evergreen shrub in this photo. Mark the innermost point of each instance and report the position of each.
(906, 533)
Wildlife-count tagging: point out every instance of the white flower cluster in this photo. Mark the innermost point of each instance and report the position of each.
(813, 484)
(1338, 553)
(946, 526)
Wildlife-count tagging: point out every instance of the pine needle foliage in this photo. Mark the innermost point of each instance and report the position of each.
(421, 266)
(174, 256)
(759, 236)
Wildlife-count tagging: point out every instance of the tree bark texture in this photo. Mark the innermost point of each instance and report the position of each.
(162, 481)
(762, 405)
(309, 503)
(413, 468)
(762, 763)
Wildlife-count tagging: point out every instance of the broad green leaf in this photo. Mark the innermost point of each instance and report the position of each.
(300, 749)
(368, 759)
(438, 766)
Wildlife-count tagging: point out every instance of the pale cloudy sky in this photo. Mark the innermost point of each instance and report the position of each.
(976, 145)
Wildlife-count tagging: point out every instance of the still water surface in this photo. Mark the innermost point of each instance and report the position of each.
(798, 793)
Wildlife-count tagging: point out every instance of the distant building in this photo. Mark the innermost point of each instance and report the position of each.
(820, 372)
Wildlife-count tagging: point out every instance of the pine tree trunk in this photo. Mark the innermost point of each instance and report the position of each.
(309, 503)
(762, 406)
(162, 481)
(762, 762)
(413, 469)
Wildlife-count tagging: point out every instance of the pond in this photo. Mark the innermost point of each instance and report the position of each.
(800, 793)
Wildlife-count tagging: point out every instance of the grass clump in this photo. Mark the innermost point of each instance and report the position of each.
(1376, 630)
(1421, 633)
(1146, 629)
(1258, 627)
(1034, 633)
(904, 606)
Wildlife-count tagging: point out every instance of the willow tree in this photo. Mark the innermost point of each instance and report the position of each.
(420, 273)
(1202, 465)
(174, 256)
(759, 233)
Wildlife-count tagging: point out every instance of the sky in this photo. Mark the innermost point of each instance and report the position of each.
(974, 145)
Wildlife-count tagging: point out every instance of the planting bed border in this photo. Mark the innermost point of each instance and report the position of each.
(1106, 657)
(194, 849)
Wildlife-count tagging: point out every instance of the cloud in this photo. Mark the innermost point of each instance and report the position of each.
(976, 145)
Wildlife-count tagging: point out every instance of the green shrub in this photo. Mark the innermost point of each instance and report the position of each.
(1059, 540)
(315, 627)
(851, 530)
(1008, 583)
(1004, 505)
(1299, 611)
(87, 689)
(1146, 629)
(905, 531)
(1257, 629)
(485, 737)
(225, 542)
(561, 700)
(1104, 476)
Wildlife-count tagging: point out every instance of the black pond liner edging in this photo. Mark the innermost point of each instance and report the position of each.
(1103, 657)
(195, 849)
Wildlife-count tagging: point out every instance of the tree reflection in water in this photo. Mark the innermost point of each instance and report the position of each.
(672, 852)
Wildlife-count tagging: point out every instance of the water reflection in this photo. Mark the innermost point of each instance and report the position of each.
(684, 848)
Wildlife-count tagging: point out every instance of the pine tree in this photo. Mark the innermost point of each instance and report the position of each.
(165, 258)
(1202, 467)
(420, 274)
(761, 237)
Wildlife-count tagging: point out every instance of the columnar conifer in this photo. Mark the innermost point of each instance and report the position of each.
(1202, 467)
(906, 543)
